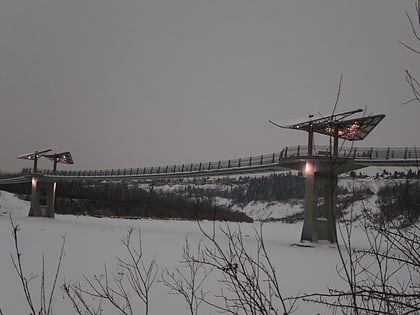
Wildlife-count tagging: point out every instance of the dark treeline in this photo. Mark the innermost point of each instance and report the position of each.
(23, 189)
(400, 199)
(127, 200)
(275, 187)
(410, 174)
(124, 200)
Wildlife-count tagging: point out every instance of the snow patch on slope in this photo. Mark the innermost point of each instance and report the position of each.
(10, 204)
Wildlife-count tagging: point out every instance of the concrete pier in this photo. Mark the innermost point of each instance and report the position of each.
(42, 198)
(320, 218)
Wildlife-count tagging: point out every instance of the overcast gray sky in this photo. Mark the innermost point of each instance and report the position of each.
(134, 83)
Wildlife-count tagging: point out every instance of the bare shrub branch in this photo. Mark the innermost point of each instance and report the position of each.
(415, 87)
(249, 281)
(415, 29)
(46, 299)
(131, 282)
(188, 280)
(374, 275)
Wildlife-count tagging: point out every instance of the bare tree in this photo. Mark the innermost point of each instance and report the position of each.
(249, 284)
(410, 79)
(132, 282)
(382, 279)
(45, 298)
(188, 280)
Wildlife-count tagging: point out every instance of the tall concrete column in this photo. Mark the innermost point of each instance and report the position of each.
(309, 231)
(315, 226)
(34, 196)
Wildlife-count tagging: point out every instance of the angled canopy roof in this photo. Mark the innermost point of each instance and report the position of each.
(351, 129)
(33, 155)
(63, 157)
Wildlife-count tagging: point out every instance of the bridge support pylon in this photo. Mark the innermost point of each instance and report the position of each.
(319, 218)
(42, 198)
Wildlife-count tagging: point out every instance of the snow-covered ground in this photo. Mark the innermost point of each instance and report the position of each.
(92, 242)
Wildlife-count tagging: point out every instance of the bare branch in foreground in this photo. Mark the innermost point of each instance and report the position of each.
(375, 275)
(131, 283)
(249, 281)
(46, 299)
(415, 29)
(188, 280)
(415, 87)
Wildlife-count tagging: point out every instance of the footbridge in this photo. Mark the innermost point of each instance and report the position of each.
(320, 164)
(316, 163)
(289, 158)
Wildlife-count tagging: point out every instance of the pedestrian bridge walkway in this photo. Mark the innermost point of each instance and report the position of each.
(286, 159)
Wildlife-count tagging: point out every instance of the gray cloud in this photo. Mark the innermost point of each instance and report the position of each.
(135, 83)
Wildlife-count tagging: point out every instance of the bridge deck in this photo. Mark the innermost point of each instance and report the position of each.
(283, 160)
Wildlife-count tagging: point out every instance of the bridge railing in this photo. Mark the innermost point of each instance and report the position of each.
(373, 153)
(252, 162)
(386, 153)
(248, 162)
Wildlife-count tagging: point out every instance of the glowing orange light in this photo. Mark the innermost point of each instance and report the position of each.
(309, 169)
(34, 181)
(329, 130)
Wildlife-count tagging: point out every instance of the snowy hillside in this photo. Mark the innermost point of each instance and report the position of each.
(9, 204)
(278, 210)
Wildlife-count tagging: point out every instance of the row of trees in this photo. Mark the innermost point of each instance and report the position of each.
(400, 199)
(274, 187)
(122, 200)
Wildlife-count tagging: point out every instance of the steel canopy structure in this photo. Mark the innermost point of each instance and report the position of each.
(34, 156)
(308, 125)
(336, 126)
(63, 158)
(351, 130)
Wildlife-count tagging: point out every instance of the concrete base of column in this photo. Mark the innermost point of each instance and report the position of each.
(42, 199)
